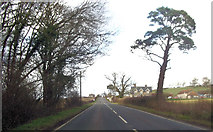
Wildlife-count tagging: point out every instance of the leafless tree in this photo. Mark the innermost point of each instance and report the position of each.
(119, 86)
(44, 45)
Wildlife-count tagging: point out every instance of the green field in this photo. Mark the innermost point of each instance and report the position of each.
(175, 91)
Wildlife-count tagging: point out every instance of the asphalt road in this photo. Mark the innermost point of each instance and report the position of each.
(106, 116)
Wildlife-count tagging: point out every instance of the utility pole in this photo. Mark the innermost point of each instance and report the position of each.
(80, 87)
(1, 82)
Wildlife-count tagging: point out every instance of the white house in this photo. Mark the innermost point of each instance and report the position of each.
(187, 94)
(182, 96)
(140, 91)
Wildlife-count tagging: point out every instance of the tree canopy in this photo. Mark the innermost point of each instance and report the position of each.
(43, 47)
(173, 27)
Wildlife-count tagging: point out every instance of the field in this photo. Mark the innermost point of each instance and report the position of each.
(87, 99)
(175, 91)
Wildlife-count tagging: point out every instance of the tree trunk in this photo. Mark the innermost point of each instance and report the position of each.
(162, 71)
(47, 91)
(121, 95)
(161, 80)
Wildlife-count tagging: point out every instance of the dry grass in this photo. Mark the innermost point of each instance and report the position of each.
(198, 112)
(87, 99)
(187, 101)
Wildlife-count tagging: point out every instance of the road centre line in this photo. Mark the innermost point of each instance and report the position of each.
(122, 119)
(134, 130)
(116, 114)
(114, 111)
(109, 107)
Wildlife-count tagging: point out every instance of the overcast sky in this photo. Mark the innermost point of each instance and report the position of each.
(129, 18)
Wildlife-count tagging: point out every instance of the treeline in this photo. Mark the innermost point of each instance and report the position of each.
(43, 48)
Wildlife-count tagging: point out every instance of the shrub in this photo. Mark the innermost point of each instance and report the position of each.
(18, 107)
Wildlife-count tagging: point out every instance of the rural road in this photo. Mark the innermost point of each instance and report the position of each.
(106, 116)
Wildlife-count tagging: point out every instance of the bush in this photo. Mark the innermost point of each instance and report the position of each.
(147, 101)
(73, 101)
(17, 107)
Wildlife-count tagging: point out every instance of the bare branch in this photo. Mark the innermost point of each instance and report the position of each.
(150, 58)
(31, 71)
(168, 68)
(150, 53)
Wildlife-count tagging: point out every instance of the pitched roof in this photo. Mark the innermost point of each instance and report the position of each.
(203, 92)
(143, 88)
(193, 93)
(185, 91)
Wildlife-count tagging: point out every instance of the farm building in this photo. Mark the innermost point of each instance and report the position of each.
(187, 94)
(182, 96)
(192, 94)
(92, 95)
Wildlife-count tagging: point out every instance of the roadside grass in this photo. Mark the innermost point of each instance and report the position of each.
(175, 91)
(171, 115)
(189, 100)
(198, 113)
(49, 122)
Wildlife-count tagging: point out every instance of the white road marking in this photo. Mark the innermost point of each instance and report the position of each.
(122, 119)
(114, 111)
(116, 114)
(134, 130)
(109, 107)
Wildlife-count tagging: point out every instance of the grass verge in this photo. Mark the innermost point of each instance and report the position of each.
(52, 121)
(179, 117)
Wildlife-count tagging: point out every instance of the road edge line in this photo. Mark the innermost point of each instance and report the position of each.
(73, 118)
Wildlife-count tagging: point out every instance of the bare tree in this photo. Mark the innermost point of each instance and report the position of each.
(194, 82)
(206, 82)
(19, 23)
(45, 45)
(71, 42)
(119, 86)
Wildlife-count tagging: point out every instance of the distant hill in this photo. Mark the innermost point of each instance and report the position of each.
(175, 91)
